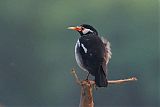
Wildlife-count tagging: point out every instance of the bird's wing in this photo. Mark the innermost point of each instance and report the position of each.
(108, 52)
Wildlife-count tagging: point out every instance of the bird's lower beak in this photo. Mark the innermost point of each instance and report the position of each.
(75, 28)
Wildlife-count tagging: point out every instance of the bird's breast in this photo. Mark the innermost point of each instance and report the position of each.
(78, 55)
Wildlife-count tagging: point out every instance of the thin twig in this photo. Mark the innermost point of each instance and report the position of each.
(73, 72)
(122, 80)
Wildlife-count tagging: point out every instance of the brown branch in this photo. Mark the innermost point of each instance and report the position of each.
(86, 99)
(73, 72)
(122, 80)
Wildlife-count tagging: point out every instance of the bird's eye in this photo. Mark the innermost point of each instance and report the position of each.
(82, 28)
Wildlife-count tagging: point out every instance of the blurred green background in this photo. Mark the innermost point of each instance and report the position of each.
(37, 51)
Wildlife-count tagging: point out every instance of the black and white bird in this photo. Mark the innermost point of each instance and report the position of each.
(92, 53)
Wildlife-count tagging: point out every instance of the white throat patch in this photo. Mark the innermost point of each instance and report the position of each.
(85, 31)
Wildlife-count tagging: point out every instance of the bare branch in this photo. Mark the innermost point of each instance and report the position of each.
(73, 72)
(122, 80)
(86, 99)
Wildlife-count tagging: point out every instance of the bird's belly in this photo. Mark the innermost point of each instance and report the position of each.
(79, 59)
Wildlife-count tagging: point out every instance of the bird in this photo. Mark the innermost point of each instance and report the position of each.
(92, 53)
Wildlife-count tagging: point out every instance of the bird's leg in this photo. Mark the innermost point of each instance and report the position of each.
(87, 76)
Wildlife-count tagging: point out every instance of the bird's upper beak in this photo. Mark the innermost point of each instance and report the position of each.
(77, 28)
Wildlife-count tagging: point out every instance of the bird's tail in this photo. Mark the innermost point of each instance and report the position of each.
(100, 78)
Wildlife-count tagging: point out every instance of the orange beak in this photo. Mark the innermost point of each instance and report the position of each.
(75, 28)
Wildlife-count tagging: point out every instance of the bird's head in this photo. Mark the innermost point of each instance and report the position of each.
(84, 29)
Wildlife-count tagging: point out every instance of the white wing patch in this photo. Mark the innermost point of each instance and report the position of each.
(84, 48)
(80, 44)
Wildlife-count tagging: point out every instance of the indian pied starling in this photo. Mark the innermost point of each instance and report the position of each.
(92, 53)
